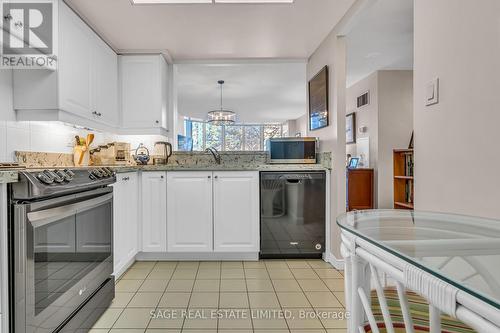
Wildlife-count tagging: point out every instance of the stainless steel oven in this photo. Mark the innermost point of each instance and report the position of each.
(61, 251)
(293, 150)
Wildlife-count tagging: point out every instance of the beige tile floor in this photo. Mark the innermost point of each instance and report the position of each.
(274, 296)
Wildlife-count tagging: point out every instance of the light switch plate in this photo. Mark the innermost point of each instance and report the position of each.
(432, 92)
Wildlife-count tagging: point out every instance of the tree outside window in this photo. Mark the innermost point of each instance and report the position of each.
(253, 138)
(233, 138)
(213, 136)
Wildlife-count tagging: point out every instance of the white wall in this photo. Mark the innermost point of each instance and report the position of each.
(395, 124)
(366, 115)
(332, 52)
(298, 125)
(389, 118)
(456, 141)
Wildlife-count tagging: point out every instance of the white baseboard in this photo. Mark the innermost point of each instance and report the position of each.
(250, 256)
(124, 268)
(337, 263)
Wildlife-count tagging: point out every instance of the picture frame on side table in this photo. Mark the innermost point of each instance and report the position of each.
(318, 100)
(350, 128)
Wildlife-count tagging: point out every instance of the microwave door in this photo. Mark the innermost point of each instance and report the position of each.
(293, 151)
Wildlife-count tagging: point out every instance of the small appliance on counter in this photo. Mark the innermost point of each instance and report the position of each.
(293, 150)
(162, 151)
(114, 153)
(141, 156)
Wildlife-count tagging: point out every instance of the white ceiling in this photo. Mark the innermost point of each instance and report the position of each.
(381, 38)
(257, 92)
(215, 31)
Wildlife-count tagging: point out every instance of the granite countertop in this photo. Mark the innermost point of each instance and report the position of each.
(11, 176)
(179, 161)
(215, 167)
(8, 176)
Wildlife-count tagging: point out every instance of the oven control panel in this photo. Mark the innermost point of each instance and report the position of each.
(52, 182)
(65, 176)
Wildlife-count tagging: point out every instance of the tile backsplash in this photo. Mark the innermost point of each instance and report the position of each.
(56, 137)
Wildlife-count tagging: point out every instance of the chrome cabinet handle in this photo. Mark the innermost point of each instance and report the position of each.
(98, 114)
(216, 177)
(209, 177)
(126, 178)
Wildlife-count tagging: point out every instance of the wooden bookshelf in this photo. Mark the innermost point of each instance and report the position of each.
(403, 178)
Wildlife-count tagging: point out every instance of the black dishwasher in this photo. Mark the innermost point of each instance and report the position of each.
(292, 214)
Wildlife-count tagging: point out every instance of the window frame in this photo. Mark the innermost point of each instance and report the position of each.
(262, 146)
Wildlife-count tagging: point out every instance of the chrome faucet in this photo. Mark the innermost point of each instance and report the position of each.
(215, 154)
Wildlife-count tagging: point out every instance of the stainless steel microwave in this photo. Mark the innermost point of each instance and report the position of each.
(294, 150)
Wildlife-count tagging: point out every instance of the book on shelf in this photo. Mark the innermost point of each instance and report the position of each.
(409, 192)
(409, 165)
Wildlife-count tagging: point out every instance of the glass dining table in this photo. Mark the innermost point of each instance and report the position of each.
(453, 261)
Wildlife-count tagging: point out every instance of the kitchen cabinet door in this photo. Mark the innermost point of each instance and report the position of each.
(125, 221)
(143, 81)
(189, 212)
(76, 68)
(106, 84)
(236, 211)
(154, 212)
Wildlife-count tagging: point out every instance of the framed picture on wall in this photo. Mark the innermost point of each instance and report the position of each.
(350, 128)
(318, 100)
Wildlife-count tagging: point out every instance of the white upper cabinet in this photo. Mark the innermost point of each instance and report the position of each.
(236, 211)
(144, 90)
(84, 88)
(76, 64)
(189, 211)
(106, 84)
(154, 211)
(125, 221)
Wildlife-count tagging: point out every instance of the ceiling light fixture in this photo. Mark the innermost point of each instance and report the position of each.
(221, 116)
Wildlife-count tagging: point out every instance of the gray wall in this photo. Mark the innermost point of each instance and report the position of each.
(456, 141)
(389, 118)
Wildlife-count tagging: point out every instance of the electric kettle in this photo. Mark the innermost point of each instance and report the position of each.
(162, 151)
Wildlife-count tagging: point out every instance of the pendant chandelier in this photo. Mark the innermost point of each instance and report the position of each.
(221, 116)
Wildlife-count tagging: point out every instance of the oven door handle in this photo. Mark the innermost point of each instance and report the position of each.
(51, 215)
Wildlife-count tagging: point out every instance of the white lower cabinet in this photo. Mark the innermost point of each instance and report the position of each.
(189, 212)
(210, 213)
(126, 221)
(213, 211)
(236, 211)
(154, 211)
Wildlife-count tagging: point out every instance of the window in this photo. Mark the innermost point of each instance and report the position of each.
(253, 138)
(197, 134)
(231, 137)
(272, 131)
(213, 137)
